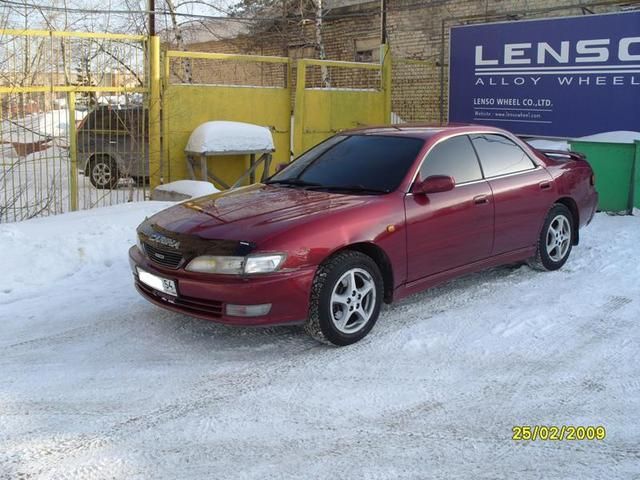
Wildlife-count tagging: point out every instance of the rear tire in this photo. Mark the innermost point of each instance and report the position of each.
(346, 295)
(555, 241)
(103, 172)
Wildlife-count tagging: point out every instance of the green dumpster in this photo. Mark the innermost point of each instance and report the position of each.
(617, 169)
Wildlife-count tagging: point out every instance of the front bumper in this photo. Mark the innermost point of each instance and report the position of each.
(205, 296)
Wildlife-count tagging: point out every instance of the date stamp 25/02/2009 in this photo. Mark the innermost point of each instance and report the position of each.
(557, 433)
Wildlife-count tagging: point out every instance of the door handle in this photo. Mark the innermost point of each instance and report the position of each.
(480, 200)
(545, 185)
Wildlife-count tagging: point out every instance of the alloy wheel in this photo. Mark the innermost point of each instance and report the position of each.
(558, 238)
(102, 173)
(353, 300)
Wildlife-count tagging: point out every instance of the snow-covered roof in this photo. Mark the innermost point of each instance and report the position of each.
(618, 136)
(224, 138)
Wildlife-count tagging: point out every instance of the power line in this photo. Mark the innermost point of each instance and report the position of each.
(94, 11)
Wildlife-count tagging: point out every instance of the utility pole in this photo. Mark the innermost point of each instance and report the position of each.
(152, 17)
(383, 21)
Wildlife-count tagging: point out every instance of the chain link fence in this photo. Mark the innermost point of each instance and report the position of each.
(72, 121)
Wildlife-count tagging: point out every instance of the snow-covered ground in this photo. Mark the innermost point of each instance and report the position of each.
(97, 383)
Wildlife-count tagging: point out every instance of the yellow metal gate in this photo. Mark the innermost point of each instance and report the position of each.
(73, 121)
(332, 96)
(200, 87)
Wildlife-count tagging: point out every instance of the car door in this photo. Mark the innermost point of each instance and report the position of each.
(449, 229)
(522, 190)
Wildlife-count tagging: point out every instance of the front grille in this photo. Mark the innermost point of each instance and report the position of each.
(210, 308)
(166, 258)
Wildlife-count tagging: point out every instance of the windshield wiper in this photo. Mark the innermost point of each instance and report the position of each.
(296, 182)
(349, 188)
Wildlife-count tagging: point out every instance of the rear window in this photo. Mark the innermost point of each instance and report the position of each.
(369, 161)
(500, 156)
(103, 119)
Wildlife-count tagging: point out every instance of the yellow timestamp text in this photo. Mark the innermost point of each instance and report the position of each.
(557, 433)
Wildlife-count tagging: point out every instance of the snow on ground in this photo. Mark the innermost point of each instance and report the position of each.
(98, 383)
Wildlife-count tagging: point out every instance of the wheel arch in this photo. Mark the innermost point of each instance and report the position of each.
(571, 204)
(378, 255)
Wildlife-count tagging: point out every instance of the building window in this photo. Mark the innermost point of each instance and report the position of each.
(367, 50)
(301, 51)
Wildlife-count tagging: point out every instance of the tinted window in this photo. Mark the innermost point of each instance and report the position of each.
(104, 119)
(499, 155)
(371, 162)
(454, 157)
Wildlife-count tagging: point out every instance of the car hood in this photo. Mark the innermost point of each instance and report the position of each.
(251, 213)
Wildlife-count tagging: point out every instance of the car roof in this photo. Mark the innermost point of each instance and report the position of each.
(115, 108)
(423, 131)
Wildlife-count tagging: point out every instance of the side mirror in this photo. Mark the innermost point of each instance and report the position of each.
(434, 184)
(281, 166)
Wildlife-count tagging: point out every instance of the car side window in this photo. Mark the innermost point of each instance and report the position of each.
(500, 156)
(454, 157)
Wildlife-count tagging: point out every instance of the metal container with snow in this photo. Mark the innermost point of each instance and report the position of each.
(224, 138)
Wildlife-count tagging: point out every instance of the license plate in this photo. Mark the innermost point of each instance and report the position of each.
(160, 284)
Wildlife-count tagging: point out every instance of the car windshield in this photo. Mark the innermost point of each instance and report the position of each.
(352, 163)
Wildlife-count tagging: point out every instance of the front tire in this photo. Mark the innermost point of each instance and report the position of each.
(103, 172)
(346, 296)
(555, 241)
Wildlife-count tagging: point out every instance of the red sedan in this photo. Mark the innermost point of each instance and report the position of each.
(366, 216)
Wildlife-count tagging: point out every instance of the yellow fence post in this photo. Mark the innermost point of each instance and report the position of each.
(73, 152)
(165, 85)
(155, 174)
(386, 80)
(298, 111)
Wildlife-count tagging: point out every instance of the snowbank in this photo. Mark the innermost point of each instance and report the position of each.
(219, 137)
(183, 189)
(43, 251)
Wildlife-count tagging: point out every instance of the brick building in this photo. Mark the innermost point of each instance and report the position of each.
(417, 32)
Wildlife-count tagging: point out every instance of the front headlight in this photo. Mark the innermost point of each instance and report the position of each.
(216, 264)
(226, 265)
(263, 263)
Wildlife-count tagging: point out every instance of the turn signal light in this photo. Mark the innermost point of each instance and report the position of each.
(248, 310)
(593, 179)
